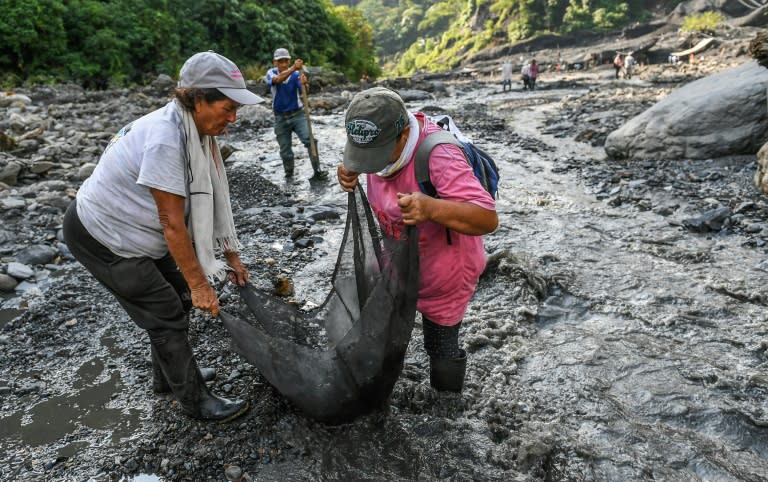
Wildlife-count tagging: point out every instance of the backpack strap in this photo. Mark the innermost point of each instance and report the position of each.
(422, 158)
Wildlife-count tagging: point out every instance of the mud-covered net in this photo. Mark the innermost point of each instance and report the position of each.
(340, 360)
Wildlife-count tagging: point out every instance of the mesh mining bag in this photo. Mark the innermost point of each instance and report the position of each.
(342, 359)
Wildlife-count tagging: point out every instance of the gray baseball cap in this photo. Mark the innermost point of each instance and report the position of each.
(206, 70)
(374, 120)
(281, 54)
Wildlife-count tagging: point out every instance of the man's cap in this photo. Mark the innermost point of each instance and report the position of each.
(206, 70)
(374, 120)
(281, 54)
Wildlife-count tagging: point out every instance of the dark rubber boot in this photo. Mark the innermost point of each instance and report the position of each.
(160, 384)
(177, 362)
(288, 168)
(319, 176)
(447, 374)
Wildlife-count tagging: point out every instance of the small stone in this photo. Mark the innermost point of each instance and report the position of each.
(7, 283)
(37, 254)
(40, 167)
(232, 472)
(20, 271)
(284, 286)
(12, 203)
(85, 171)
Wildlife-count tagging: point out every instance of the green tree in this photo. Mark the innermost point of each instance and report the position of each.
(32, 35)
(362, 56)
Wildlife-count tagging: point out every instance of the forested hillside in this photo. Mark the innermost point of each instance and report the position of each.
(432, 35)
(119, 42)
(98, 43)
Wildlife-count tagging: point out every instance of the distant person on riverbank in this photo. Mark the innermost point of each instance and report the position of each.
(533, 73)
(529, 72)
(618, 64)
(506, 75)
(525, 75)
(629, 65)
(286, 81)
(160, 185)
(382, 139)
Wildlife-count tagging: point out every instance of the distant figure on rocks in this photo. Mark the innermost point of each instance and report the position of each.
(629, 65)
(160, 185)
(382, 140)
(525, 74)
(286, 80)
(533, 73)
(618, 64)
(506, 75)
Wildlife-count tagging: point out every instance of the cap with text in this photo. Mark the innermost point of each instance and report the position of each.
(374, 120)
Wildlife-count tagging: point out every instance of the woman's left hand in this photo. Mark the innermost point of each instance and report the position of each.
(239, 274)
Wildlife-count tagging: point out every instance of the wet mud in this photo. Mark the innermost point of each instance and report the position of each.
(612, 337)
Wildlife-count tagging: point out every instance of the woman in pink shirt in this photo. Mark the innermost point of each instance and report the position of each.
(382, 138)
(533, 72)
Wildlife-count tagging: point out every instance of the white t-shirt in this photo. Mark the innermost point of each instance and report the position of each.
(115, 204)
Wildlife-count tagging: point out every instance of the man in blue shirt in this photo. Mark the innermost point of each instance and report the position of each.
(286, 81)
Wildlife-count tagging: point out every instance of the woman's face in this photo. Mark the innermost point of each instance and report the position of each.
(212, 119)
(401, 142)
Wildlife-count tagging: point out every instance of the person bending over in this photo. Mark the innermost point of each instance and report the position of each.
(382, 138)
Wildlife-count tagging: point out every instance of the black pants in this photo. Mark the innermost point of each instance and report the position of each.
(152, 291)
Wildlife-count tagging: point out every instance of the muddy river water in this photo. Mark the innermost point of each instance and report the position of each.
(651, 362)
(607, 342)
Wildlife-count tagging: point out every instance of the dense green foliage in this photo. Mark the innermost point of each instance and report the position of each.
(706, 22)
(119, 42)
(429, 35)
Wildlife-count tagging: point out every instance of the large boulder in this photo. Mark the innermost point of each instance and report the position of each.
(723, 114)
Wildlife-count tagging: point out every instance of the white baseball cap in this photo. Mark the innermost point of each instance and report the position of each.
(281, 54)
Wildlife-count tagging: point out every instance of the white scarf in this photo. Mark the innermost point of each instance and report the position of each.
(410, 147)
(210, 214)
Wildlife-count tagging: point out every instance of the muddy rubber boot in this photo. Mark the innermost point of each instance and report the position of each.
(447, 374)
(178, 364)
(319, 176)
(160, 384)
(288, 168)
